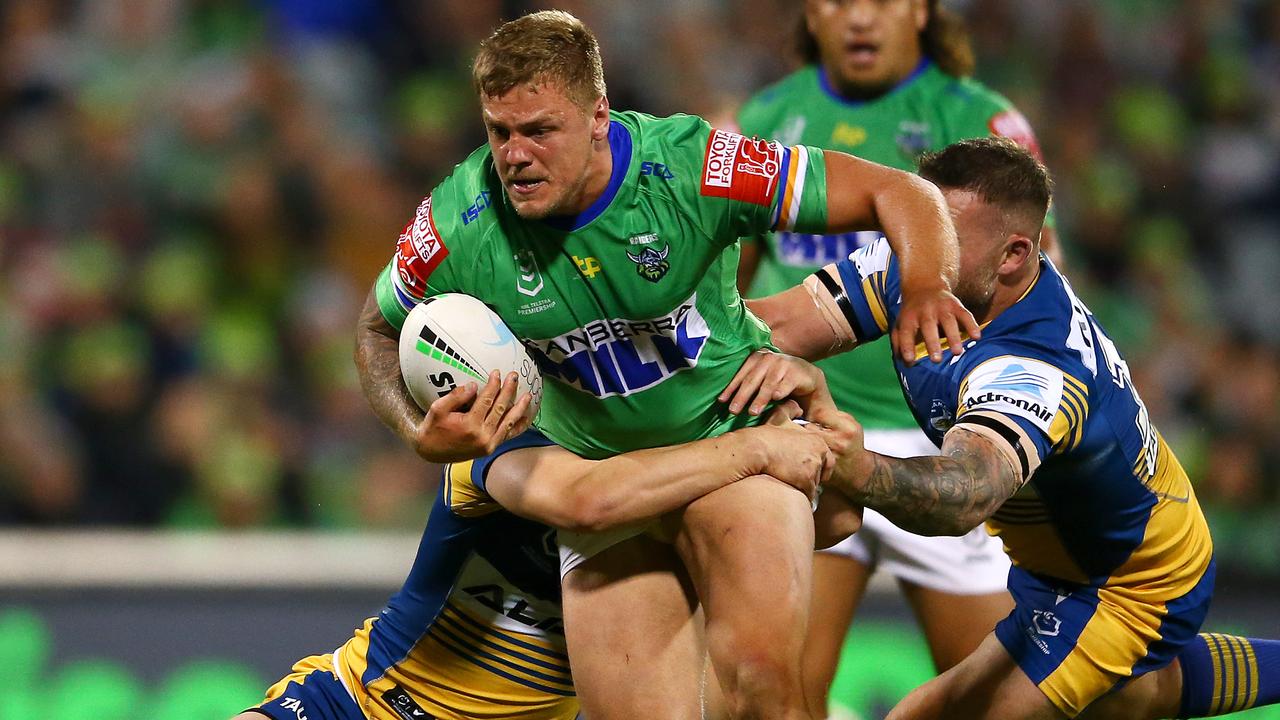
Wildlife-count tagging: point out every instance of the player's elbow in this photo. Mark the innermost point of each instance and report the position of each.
(956, 524)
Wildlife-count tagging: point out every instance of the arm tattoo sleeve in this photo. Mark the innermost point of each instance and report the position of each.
(378, 364)
(946, 495)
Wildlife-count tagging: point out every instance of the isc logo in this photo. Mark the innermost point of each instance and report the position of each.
(656, 170)
(621, 357)
(473, 212)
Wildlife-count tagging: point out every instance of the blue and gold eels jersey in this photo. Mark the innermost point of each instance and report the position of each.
(476, 631)
(1106, 503)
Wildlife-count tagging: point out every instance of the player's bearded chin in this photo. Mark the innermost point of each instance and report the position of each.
(975, 293)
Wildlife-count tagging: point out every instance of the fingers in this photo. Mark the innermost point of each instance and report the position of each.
(932, 339)
(505, 398)
(754, 381)
(954, 339)
(783, 413)
(904, 337)
(515, 421)
(971, 327)
(453, 401)
(743, 372)
(489, 393)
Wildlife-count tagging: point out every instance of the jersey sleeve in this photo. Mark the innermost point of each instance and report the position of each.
(1033, 404)
(871, 294)
(421, 266)
(767, 185)
(464, 486)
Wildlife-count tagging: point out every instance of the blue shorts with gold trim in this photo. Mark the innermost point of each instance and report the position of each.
(315, 695)
(1079, 642)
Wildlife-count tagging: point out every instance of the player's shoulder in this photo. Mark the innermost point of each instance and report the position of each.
(672, 130)
(976, 109)
(758, 114)
(465, 204)
(962, 94)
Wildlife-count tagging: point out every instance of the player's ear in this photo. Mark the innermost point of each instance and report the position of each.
(1018, 251)
(920, 12)
(600, 119)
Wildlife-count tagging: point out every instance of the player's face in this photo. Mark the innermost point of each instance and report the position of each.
(867, 46)
(981, 234)
(542, 144)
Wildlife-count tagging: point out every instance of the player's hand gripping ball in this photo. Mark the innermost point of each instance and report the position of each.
(453, 339)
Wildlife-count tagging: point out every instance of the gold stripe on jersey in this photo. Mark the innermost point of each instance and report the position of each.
(1022, 511)
(447, 686)
(462, 495)
(1117, 636)
(527, 655)
(874, 292)
(1067, 428)
(1038, 548)
(1176, 547)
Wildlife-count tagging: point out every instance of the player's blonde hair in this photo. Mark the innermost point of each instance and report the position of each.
(547, 46)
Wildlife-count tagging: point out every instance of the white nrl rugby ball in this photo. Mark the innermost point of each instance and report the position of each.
(453, 339)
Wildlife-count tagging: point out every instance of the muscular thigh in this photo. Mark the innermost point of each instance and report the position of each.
(632, 641)
(755, 536)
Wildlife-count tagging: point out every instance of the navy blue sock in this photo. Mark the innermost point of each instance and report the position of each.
(1226, 673)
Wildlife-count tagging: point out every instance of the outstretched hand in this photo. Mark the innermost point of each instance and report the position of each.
(931, 316)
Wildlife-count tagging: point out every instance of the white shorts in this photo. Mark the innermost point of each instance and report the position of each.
(577, 548)
(973, 564)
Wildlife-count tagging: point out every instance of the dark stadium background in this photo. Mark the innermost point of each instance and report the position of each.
(196, 194)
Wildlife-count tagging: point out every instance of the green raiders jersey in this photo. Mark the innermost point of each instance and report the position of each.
(926, 112)
(630, 308)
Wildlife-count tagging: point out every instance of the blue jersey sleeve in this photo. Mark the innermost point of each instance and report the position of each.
(464, 482)
(872, 290)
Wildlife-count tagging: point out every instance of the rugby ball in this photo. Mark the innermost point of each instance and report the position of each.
(453, 339)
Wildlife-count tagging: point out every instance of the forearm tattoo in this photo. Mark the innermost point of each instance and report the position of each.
(378, 364)
(946, 495)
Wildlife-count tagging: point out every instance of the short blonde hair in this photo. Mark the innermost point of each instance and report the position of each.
(551, 45)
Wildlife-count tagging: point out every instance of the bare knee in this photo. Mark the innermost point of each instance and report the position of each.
(760, 685)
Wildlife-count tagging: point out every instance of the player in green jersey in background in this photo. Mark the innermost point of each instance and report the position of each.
(605, 240)
(885, 80)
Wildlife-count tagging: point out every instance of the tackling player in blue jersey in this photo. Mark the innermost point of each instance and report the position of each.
(477, 629)
(1045, 438)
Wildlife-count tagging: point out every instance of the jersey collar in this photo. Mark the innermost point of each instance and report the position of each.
(825, 82)
(620, 148)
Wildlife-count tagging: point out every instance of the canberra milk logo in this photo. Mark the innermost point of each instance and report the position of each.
(621, 357)
(1018, 386)
(806, 250)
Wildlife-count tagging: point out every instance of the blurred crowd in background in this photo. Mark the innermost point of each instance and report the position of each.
(195, 195)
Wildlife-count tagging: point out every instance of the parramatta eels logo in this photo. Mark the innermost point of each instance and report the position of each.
(651, 264)
(940, 417)
(620, 357)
